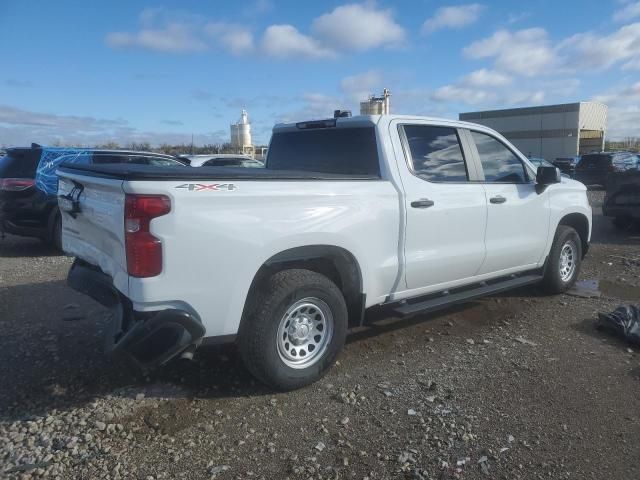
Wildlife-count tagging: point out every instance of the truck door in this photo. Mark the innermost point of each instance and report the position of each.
(517, 217)
(445, 210)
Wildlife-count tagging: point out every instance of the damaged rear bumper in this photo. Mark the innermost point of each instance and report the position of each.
(150, 338)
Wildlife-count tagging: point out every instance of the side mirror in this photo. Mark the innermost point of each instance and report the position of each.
(546, 176)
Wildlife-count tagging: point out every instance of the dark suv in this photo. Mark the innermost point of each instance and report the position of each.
(28, 202)
(567, 165)
(594, 168)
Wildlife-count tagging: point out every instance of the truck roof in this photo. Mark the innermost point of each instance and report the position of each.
(370, 120)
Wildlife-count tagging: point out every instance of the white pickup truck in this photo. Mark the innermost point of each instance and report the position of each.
(411, 212)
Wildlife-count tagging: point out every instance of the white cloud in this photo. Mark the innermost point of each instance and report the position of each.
(623, 116)
(314, 106)
(350, 27)
(21, 127)
(282, 41)
(517, 17)
(628, 12)
(257, 7)
(486, 78)
(462, 94)
(525, 52)
(359, 86)
(357, 27)
(163, 31)
(178, 32)
(453, 17)
(171, 38)
(530, 52)
(236, 38)
(588, 50)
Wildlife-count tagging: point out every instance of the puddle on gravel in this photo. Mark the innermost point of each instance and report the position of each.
(622, 291)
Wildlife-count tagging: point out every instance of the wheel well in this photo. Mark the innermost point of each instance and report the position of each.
(580, 223)
(336, 263)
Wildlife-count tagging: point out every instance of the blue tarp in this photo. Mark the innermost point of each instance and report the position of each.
(50, 160)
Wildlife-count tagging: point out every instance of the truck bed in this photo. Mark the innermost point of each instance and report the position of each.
(147, 172)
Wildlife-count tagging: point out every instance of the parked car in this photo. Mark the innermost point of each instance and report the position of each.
(28, 184)
(222, 160)
(567, 165)
(622, 198)
(541, 162)
(594, 168)
(349, 213)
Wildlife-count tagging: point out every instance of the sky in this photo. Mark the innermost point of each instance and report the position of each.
(90, 72)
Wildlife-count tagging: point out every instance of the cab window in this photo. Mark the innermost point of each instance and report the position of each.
(500, 164)
(436, 154)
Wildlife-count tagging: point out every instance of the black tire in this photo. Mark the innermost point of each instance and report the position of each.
(623, 223)
(258, 338)
(56, 232)
(554, 281)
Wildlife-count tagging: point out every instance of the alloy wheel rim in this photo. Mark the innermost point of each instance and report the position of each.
(567, 261)
(304, 332)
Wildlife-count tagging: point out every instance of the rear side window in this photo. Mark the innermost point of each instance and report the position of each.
(347, 151)
(436, 153)
(625, 162)
(499, 164)
(20, 163)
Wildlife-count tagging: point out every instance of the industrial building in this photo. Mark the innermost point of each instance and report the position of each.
(241, 135)
(376, 105)
(550, 132)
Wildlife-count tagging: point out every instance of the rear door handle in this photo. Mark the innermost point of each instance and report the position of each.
(498, 199)
(422, 203)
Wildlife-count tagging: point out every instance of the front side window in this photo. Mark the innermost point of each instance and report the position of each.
(436, 153)
(499, 163)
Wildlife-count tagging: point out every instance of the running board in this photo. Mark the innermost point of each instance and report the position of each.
(447, 298)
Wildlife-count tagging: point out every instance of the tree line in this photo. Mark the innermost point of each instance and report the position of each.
(180, 149)
(629, 144)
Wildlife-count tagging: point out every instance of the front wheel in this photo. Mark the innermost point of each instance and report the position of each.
(564, 261)
(294, 329)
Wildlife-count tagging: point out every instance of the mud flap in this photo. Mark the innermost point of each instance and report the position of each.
(150, 339)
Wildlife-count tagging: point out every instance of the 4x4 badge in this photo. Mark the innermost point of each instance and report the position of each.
(198, 187)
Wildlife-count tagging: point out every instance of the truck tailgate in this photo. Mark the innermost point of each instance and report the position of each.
(92, 210)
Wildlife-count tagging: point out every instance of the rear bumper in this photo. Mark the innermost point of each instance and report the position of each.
(150, 338)
(26, 216)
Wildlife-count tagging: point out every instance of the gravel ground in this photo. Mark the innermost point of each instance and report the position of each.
(513, 386)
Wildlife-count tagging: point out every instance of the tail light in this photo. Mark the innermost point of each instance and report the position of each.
(16, 184)
(144, 251)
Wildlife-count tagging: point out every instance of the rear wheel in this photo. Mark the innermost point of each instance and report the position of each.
(564, 261)
(295, 329)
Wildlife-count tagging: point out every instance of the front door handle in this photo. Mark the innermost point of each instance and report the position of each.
(498, 199)
(422, 203)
